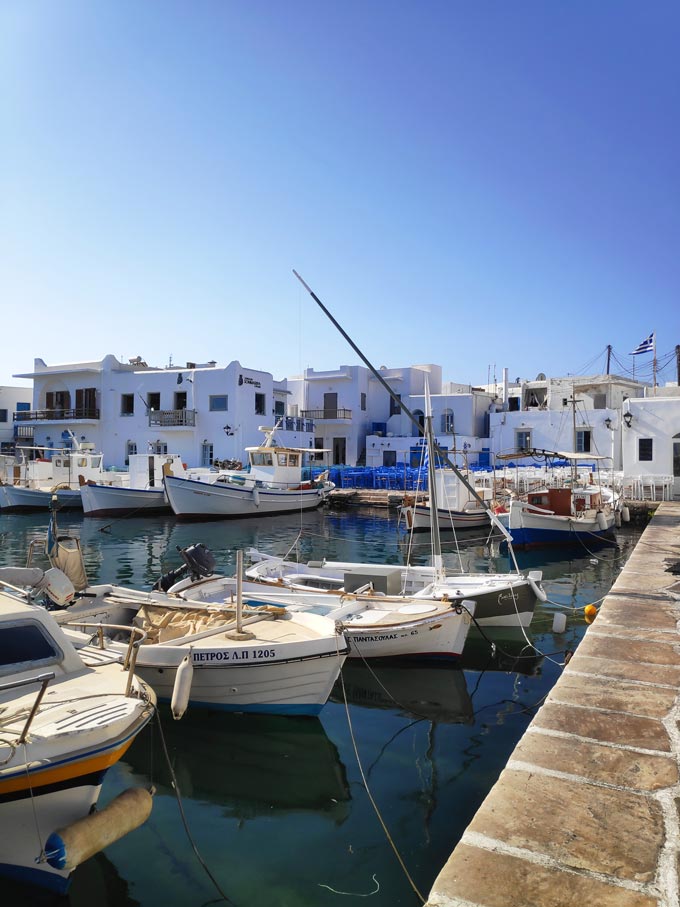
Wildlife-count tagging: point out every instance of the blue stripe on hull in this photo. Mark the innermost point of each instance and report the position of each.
(528, 538)
(37, 877)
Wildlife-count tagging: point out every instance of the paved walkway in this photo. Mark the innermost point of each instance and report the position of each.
(586, 811)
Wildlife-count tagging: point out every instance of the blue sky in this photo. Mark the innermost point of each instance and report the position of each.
(477, 185)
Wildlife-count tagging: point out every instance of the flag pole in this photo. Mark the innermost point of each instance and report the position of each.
(654, 363)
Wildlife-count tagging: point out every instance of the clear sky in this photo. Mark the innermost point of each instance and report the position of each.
(474, 184)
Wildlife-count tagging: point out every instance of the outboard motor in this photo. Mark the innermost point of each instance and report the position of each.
(199, 561)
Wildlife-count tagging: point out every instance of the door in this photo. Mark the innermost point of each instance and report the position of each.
(330, 406)
(339, 451)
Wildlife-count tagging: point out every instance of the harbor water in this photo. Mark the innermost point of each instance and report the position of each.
(368, 800)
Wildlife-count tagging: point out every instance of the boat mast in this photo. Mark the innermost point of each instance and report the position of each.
(437, 561)
(440, 453)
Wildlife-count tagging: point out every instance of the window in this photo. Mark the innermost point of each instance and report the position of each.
(363, 403)
(318, 445)
(180, 400)
(153, 401)
(583, 440)
(279, 408)
(127, 404)
(3, 415)
(158, 447)
(219, 403)
(447, 422)
(599, 401)
(130, 450)
(523, 439)
(260, 405)
(26, 643)
(206, 454)
(395, 407)
(645, 449)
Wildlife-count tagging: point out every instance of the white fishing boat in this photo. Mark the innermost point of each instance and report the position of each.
(271, 484)
(561, 516)
(456, 508)
(224, 656)
(144, 494)
(30, 484)
(66, 717)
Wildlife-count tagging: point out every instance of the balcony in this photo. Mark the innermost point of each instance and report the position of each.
(295, 423)
(172, 418)
(328, 415)
(82, 414)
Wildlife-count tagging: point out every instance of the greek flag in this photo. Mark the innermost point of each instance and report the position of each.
(647, 346)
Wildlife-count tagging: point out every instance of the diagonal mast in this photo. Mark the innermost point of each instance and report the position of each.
(440, 453)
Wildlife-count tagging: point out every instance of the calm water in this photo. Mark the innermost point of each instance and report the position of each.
(277, 806)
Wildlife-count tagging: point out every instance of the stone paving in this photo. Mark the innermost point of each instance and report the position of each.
(586, 810)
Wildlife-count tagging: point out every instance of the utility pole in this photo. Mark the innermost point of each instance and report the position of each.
(609, 356)
(677, 361)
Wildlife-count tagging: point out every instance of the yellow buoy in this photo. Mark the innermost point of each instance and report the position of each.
(590, 612)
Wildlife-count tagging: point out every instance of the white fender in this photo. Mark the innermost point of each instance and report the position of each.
(601, 520)
(181, 690)
(534, 577)
(256, 496)
(625, 513)
(68, 847)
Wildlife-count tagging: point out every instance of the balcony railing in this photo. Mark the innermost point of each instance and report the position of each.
(329, 414)
(56, 415)
(295, 423)
(173, 418)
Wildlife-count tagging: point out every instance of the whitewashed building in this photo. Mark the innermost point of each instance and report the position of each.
(651, 444)
(200, 411)
(12, 399)
(575, 414)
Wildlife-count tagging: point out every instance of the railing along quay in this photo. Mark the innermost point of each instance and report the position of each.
(586, 809)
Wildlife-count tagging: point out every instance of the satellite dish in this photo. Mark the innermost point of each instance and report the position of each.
(540, 377)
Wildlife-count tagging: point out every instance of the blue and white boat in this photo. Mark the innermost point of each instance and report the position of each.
(561, 516)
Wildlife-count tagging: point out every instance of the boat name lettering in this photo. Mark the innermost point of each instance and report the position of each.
(379, 638)
(233, 655)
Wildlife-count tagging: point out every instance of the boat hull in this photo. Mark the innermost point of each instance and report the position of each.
(62, 784)
(110, 500)
(193, 500)
(440, 637)
(530, 529)
(17, 499)
(277, 686)
(418, 518)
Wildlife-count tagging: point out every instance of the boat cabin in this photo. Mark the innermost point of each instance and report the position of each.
(564, 501)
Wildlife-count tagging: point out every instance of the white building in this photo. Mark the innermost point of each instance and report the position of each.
(575, 414)
(651, 444)
(201, 412)
(12, 399)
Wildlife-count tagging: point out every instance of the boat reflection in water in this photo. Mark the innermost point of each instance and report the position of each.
(436, 692)
(250, 765)
(510, 652)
